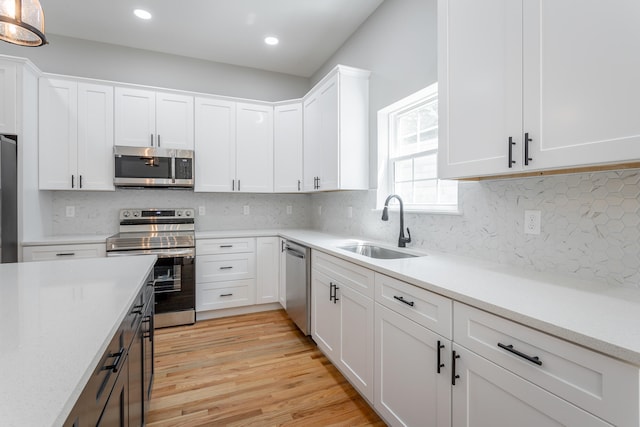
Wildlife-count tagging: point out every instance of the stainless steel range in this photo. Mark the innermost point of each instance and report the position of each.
(169, 234)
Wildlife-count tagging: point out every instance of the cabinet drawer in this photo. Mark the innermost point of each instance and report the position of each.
(225, 246)
(357, 278)
(216, 268)
(604, 386)
(56, 252)
(423, 307)
(238, 293)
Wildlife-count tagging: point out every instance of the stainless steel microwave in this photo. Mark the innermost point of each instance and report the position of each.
(153, 167)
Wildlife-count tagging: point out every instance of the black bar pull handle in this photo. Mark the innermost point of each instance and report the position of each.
(511, 144)
(226, 295)
(299, 182)
(527, 159)
(233, 185)
(440, 364)
(65, 254)
(335, 294)
(226, 246)
(510, 349)
(116, 362)
(454, 376)
(227, 267)
(238, 185)
(73, 181)
(401, 299)
(158, 140)
(331, 285)
(151, 143)
(318, 184)
(80, 180)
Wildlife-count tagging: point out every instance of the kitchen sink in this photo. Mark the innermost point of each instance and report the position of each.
(374, 251)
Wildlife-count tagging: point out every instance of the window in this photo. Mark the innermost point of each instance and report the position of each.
(408, 155)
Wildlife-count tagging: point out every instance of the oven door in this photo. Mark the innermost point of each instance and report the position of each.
(174, 284)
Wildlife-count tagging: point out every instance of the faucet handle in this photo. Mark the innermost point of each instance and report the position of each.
(408, 239)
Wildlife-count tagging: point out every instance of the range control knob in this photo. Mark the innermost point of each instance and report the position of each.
(179, 213)
(126, 214)
(136, 214)
(187, 213)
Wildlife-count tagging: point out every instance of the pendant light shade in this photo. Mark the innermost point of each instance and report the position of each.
(22, 22)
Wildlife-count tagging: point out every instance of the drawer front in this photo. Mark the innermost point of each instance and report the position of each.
(218, 268)
(423, 307)
(358, 278)
(604, 386)
(58, 252)
(225, 246)
(236, 294)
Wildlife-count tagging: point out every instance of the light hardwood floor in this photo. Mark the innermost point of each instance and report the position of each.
(249, 370)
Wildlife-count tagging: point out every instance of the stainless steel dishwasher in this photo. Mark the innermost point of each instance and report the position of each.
(298, 281)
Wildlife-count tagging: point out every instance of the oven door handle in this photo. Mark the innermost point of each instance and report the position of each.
(169, 253)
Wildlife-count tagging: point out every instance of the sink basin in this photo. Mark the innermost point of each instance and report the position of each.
(378, 252)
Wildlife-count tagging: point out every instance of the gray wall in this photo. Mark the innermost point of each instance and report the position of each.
(398, 45)
(65, 55)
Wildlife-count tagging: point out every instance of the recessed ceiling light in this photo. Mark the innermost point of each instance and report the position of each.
(142, 14)
(271, 41)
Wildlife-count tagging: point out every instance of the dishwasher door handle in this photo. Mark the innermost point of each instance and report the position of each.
(294, 253)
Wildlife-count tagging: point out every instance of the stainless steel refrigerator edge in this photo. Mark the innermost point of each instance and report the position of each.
(298, 283)
(8, 199)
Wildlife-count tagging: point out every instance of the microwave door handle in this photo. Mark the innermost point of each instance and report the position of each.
(173, 169)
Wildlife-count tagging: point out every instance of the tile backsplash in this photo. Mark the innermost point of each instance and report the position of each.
(590, 223)
(97, 212)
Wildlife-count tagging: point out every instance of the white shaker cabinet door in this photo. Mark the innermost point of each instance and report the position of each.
(325, 315)
(254, 148)
(135, 117)
(58, 129)
(174, 121)
(581, 85)
(312, 153)
(486, 394)
(8, 97)
(95, 137)
(287, 144)
(413, 372)
(215, 145)
(330, 137)
(480, 87)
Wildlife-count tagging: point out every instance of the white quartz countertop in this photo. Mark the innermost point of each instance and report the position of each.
(56, 321)
(75, 239)
(597, 316)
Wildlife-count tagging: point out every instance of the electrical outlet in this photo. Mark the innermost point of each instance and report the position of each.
(289, 209)
(245, 209)
(350, 212)
(202, 211)
(531, 222)
(319, 210)
(70, 211)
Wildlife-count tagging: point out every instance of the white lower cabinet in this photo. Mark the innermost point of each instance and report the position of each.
(489, 395)
(443, 363)
(236, 272)
(268, 262)
(343, 319)
(225, 273)
(59, 252)
(412, 372)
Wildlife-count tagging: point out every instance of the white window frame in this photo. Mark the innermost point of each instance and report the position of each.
(385, 164)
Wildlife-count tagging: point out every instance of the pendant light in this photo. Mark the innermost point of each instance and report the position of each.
(22, 22)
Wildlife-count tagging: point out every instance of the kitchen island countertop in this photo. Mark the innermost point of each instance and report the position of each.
(56, 321)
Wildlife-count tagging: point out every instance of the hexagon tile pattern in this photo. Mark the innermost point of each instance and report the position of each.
(590, 224)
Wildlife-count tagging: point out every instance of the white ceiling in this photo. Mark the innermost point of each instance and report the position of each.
(228, 31)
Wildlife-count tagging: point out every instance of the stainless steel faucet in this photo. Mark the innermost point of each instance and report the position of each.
(402, 241)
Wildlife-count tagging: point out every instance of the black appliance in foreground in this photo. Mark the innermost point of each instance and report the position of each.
(170, 235)
(8, 198)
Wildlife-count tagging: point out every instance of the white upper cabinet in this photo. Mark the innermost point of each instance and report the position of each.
(287, 145)
(336, 132)
(8, 97)
(215, 145)
(76, 135)
(254, 148)
(234, 145)
(146, 118)
(554, 82)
